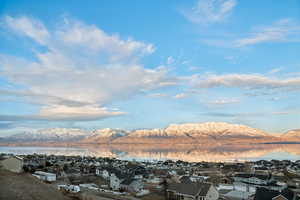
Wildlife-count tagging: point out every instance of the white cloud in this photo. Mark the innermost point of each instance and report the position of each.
(89, 112)
(283, 30)
(81, 35)
(210, 11)
(246, 81)
(275, 70)
(180, 96)
(224, 101)
(83, 69)
(158, 95)
(29, 27)
(170, 60)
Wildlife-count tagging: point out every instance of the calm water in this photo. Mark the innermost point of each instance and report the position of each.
(186, 153)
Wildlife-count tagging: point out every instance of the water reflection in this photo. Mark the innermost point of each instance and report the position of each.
(186, 152)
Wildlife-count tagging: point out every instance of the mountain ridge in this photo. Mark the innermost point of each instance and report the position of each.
(174, 133)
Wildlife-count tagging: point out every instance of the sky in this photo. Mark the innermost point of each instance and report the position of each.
(146, 64)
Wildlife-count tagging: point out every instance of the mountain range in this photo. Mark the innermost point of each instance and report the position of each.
(174, 133)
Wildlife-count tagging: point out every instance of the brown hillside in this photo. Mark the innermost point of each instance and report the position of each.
(26, 187)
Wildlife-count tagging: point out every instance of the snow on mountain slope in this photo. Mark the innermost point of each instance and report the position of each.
(292, 133)
(52, 134)
(105, 135)
(201, 129)
(188, 132)
(109, 132)
(148, 133)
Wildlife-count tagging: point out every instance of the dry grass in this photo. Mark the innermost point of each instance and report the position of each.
(26, 187)
(153, 196)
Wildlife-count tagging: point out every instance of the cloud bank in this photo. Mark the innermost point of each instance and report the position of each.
(82, 69)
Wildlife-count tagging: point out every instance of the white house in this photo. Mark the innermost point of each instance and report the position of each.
(154, 180)
(114, 182)
(103, 173)
(49, 177)
(69, 188)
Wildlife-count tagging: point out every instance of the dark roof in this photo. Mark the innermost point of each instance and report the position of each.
(122, 175)
(259, 176)
(190, 188)
(185, 179)
(72, 170)
(266, 194)
(112, 170)
(127, 181)
(260, 168)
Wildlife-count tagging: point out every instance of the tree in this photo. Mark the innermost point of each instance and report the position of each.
(65, 167)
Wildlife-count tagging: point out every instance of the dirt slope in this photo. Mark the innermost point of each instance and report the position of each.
(26, 187)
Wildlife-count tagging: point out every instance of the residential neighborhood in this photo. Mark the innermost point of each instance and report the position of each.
(81, 177)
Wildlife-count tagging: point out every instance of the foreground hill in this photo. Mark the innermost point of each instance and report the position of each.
(26, 187)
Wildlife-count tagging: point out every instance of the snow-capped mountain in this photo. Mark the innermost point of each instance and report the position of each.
(105, 135)
(109, 132)
(51, 134)
(174, 133)
(149, 133)
(217, 129)
(292, 133)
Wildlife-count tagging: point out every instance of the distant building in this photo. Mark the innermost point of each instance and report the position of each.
(192, 191)
(257, 179)
(69, 188)
(115, 181)
(103, 173)
(13, 164)
(49, 177)
(131, 185)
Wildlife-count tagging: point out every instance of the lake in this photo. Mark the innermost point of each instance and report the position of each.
(190, 153)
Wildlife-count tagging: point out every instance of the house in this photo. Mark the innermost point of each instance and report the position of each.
(115, 181)
(199, 178)
(13, 164)
(259, 169)
(237, 167)
(154, 180)
(131, 185)
(105, 174)
(185, 179)
(258, 179)
(266, 194)
(192, 191)
(49, 177)
(69, 188)
(72, 172)
(238, 195)
(98, 171)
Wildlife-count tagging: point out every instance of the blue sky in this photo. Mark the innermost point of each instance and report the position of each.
(146, 64)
